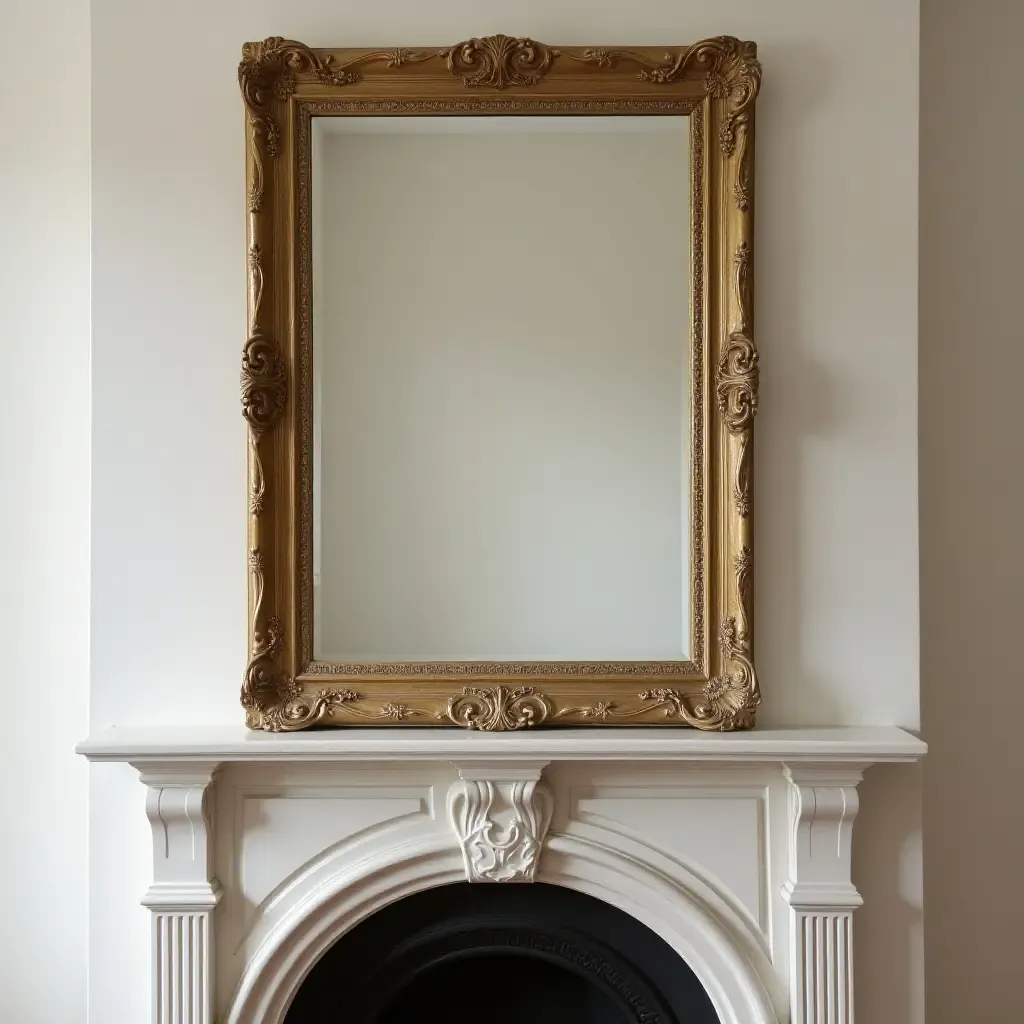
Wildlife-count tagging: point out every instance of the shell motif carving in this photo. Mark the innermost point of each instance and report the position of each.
(727, 702)
(499, 709)
(500, 61)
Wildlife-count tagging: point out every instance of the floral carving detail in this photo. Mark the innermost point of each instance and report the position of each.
(717, 86)
(727, 137)
(284, 86)
(396, 58)
(396, 712)
(499, 709)
(500, 61)
(601, 57)
(744, 564)
(741, 489)
(672, 700)
(267, 69)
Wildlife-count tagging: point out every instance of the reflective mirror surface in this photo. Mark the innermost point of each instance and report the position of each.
(501, 389)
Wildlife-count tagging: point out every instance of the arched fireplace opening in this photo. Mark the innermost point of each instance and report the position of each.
(504, 954)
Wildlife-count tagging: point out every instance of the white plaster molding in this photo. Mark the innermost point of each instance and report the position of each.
(223, 744)
(500, 814)
(318, 909)
(820, 891)
(183, 893)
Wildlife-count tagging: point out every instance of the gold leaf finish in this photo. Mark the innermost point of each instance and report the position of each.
(284, 84)
(730, 72)
(267, 72)
(500, 61)
(738, 377)
(263, 383)
(499, 709)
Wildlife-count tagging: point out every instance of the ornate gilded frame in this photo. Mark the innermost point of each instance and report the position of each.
(284, 83)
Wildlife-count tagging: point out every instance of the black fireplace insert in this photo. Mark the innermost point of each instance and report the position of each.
(501, 954)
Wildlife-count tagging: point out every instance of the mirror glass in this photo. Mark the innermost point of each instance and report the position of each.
(501, 400)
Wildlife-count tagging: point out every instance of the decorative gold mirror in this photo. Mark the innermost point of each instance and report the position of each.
(500, 385)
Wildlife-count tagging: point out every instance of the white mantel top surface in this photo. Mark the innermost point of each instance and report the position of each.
(226, 743)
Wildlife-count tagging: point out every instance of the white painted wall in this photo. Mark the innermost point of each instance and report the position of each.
(504, 429)
(837, 436)
(44, 509)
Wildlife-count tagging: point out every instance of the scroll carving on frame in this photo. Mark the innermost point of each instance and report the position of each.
(284, 85)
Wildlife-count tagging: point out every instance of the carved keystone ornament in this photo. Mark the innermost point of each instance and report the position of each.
(500, 825)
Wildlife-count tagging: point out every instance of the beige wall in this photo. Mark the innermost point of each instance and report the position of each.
(972, 488)
(44, 509)
(832, 202)
(836, 309)
(837, 598)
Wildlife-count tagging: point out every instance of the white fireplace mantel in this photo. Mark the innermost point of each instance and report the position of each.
(229, 744)
(735, 848)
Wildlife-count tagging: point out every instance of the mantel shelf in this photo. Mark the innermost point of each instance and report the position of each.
(226, 744)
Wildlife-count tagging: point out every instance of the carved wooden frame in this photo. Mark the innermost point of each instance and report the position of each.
(284, 83)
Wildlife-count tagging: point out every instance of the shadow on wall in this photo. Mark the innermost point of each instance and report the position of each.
(795, 385)
(829, 432)
(887, 870)
(972, 551)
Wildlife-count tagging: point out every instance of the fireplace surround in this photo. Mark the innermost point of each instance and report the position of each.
(279, 862)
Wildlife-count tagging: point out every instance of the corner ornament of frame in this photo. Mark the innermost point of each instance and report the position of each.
(727, 702)
(731, 72)
(268, 71)
(275, 703)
